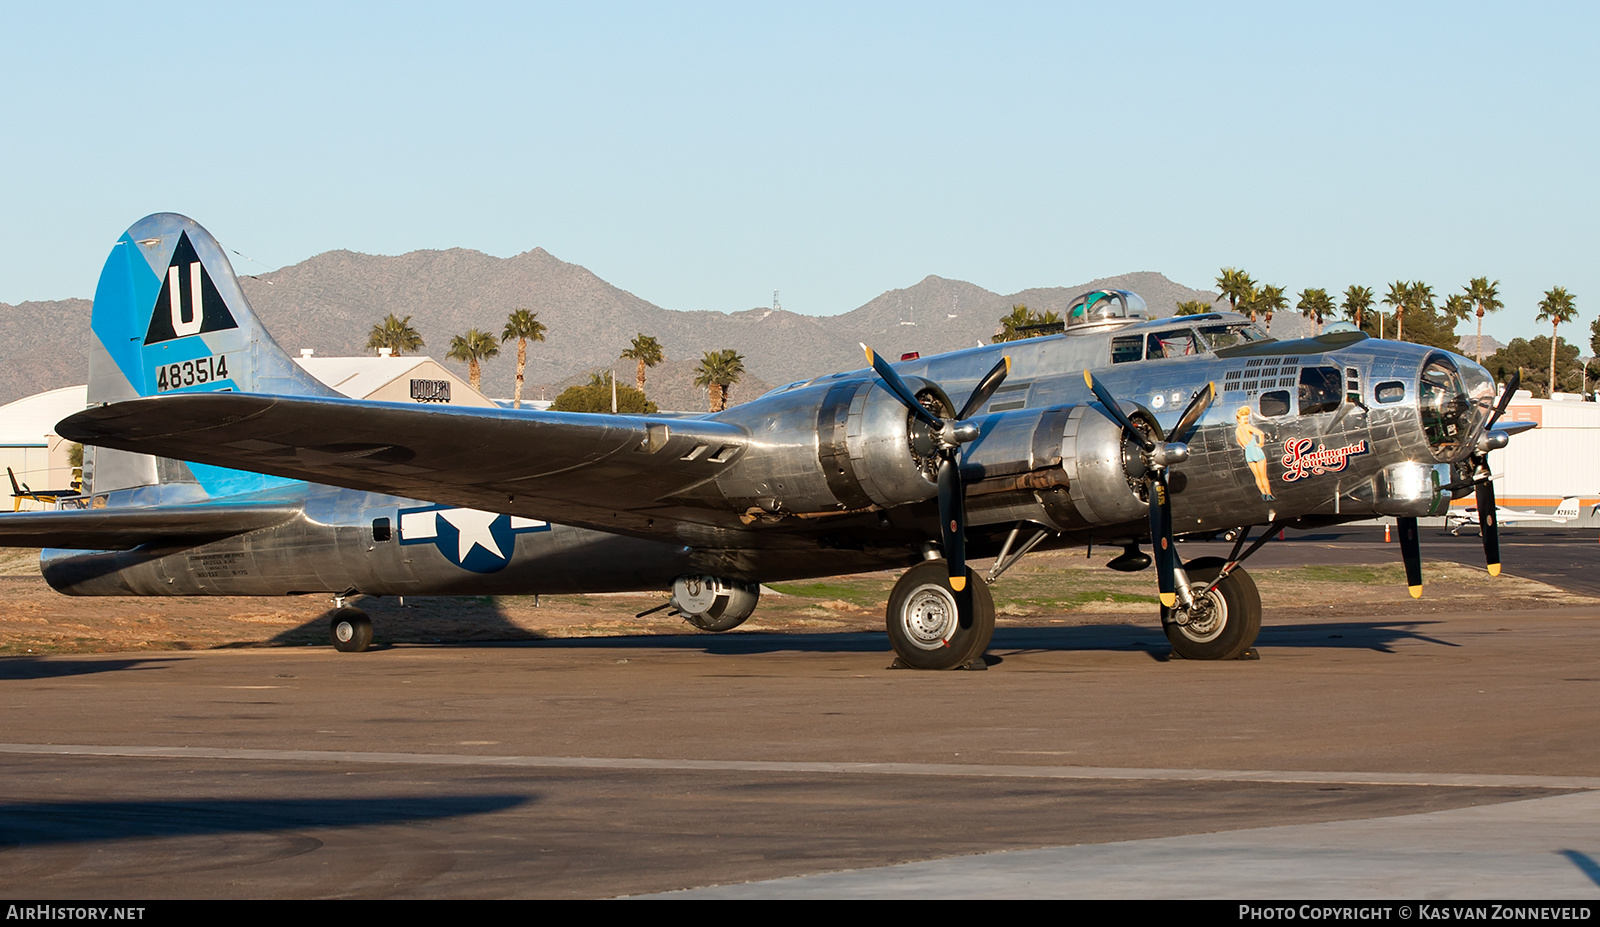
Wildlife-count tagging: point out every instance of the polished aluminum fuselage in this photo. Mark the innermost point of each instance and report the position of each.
(829, 481)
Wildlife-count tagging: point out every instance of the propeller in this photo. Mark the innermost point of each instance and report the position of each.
(1160, 453)
(948, 436)
(1488, 515)
(1480, 480)
(1411, 553)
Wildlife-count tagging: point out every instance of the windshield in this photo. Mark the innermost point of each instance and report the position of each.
(1226, 336)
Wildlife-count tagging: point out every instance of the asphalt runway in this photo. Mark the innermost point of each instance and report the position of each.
(1447, 756)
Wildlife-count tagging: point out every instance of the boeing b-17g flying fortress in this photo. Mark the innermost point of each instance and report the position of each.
(217, 466)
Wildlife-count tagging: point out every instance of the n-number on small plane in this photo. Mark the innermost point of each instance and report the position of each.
(217, 466)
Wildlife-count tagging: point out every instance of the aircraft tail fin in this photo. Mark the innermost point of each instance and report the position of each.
(170, 317)
(1568, 508)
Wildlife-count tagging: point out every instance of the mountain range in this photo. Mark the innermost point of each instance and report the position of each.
(330, 302)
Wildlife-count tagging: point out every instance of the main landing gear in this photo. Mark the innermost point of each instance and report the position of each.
(1223, 622)
(350, 630)
(932, 626)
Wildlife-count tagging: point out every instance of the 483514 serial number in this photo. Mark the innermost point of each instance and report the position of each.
(191, 373)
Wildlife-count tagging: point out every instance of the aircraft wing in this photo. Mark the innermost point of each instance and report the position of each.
(610, 472)
(127, 528)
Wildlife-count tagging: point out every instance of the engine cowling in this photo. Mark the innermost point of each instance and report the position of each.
(1065, 467)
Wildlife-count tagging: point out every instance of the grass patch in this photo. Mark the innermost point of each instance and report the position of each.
(1365, 575)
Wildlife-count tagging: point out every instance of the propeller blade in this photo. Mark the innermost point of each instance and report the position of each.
(980, 394)
(1489, 526)
(1162, 545)
(1115, 411)
(1190, 419)
(1505, 398)
(953, 520)
(1411, 552)
(898, 386)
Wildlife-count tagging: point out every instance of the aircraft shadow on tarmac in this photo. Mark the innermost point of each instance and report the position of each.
(396, 623)
(24, 667)
(1362, 635)
(45, 823)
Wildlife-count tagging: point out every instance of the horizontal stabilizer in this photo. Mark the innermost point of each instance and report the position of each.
(127, 528)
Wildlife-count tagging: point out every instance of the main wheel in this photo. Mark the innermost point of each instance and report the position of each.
(350, 630)
(1224, 624)
(932, 626)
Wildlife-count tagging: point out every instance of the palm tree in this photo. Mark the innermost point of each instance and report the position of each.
(718, 371)
(1397, 297)
(1193, 307)
(1020, 317)
(1268, 299)
(647, 351)
(525, 327)
(473, 347)
(1457, 308)
(1357, 300)
(1236, 287)
(1485, 296)
(395, 334)
(1316, 305)
(1557, 306)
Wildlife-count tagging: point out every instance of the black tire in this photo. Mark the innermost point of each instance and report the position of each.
(350, 630)
(1233, 619)
(931, 626)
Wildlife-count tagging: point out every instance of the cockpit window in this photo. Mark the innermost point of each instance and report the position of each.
(1178, 343)
(1127, 348)
(1227, 336)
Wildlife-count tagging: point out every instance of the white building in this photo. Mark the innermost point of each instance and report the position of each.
(29, 445)
(1558, 459)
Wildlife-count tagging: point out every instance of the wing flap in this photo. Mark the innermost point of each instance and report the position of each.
(127, 528)
(610, 472)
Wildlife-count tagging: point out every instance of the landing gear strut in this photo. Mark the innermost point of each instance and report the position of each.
(932, 626)
(350, 630)
(1223, 623)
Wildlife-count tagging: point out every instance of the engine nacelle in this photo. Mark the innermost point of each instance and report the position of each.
(863, 452)
(1065, 467)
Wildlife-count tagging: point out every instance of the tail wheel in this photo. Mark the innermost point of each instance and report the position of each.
(932, 626)
(1223, 624)
(350, 630)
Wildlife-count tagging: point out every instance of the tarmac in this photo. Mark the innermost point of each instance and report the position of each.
(1451, 756)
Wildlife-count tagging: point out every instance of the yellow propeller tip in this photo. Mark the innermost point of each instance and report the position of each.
(1416, 592)
(1008, 363)
(869, 353)
(958, 583)
(1169, 599)
(1088, 380)
(1494, 569)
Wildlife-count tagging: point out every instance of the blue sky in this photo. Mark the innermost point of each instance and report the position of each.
(703, 155)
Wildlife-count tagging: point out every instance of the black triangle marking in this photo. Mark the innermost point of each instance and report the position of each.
(165, 319)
